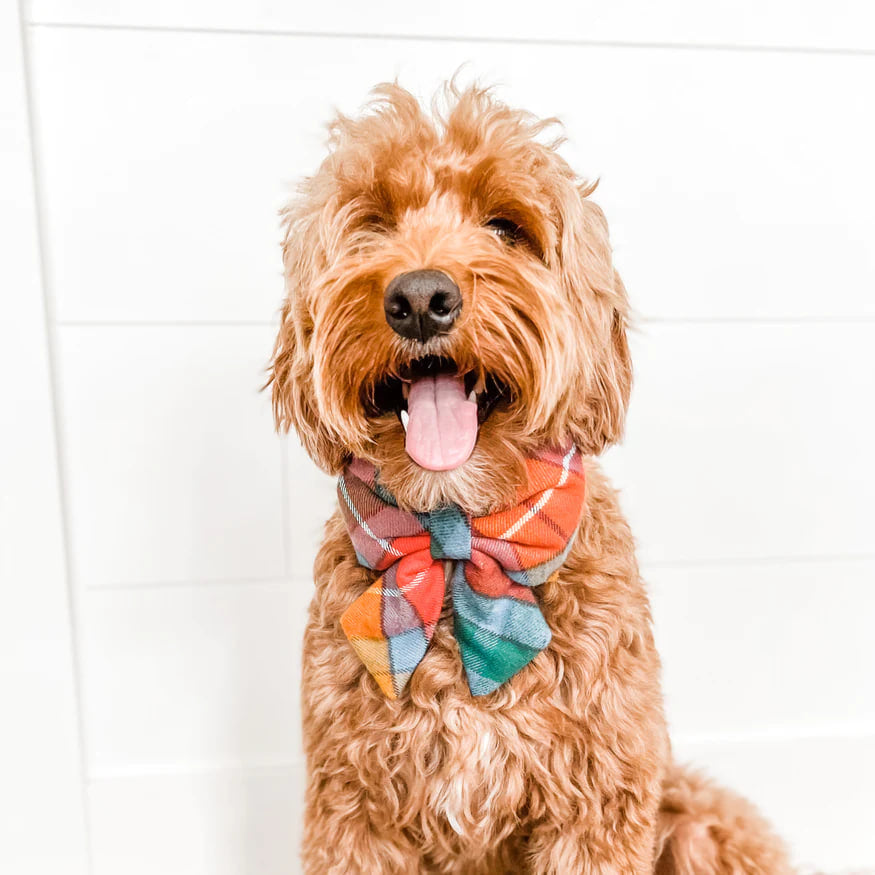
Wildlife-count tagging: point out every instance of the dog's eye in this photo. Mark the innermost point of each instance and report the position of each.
(374, 222)
(505, 230)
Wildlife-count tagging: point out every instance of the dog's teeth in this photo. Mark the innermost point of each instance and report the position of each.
(405, 418)
(472, 396)
(481, 385)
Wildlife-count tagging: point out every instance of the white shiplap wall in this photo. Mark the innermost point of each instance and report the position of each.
(734, 143)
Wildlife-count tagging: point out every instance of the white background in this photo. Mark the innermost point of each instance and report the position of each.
(157, 536)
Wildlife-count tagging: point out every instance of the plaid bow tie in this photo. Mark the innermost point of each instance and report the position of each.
(497, 559)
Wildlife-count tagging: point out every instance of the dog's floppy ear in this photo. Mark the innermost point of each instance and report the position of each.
(604, 382)
(295, 402)
(613, 369)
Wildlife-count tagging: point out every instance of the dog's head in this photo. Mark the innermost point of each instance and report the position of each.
(452, 303)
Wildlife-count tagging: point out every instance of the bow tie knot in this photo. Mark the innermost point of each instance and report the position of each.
(498, 558)
(450, 533)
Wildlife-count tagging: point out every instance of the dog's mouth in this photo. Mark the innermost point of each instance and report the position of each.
(440, 408)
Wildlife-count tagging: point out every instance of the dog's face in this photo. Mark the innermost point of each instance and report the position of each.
(451, 305)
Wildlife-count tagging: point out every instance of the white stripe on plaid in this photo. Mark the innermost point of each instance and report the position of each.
(403, 590)
(386, 545)
(566, 463)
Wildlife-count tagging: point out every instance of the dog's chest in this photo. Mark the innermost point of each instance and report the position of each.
(471, 791)
(478, 780)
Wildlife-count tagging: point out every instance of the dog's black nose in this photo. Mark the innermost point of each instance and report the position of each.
(421, 304)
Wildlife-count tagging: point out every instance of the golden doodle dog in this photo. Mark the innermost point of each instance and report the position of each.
(481, 692)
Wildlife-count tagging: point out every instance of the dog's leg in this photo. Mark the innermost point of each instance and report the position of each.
(341, 836)
(618, 840)
(339, 839)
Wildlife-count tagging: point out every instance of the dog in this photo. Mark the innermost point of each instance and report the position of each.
(452, 319)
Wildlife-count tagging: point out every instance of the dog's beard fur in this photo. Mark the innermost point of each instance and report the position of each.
(543, 314)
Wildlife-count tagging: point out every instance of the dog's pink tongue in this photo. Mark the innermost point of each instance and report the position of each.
(442, 424)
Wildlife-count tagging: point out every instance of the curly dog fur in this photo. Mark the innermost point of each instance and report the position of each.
(567, 768)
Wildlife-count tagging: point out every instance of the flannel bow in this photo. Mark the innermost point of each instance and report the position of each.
(497, 559)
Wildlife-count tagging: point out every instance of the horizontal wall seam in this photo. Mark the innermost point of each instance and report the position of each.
(282, 765)
(486, 40)
(647, 565)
